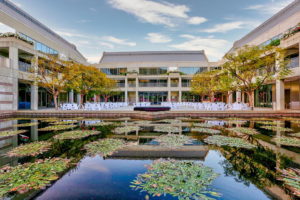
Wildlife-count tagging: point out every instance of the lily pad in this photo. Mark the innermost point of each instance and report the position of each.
(100, 124)
(49, 120)
(171, 121)
(64, 122)
(221, 140)
(126, 129)
(167, 129)
(186, 180)
(291, 180)
(31, 176)
(243, 130)
(11, 133)
(277, 128)
(104, 147)
(203, 125)
(57, 127)
(70, 135)
(206, 130)
(31, 149)
(271, 123)
(26, 124)
(287, 141)
(173, 140)
(295, 134)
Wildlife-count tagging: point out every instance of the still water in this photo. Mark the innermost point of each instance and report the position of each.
(244, 174)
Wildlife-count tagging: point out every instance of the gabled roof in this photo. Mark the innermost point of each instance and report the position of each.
(154, 56)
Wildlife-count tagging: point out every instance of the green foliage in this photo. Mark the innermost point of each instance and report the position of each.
(70, 135)
(173, 140)
(277, 128)
(57, 127)
(166, 129)
(64, 122)
(170, 121)
(243, 130)
(203, 125)
(104, 147)
(287, 141)
(11, 133)
(26, 124)
(126, 129)
(270, 123)
(220, 140)
(31, 149)
(100, 124)
(295, 134)
(186, 180)
(291, 180)
(31, 176)
(206, 130)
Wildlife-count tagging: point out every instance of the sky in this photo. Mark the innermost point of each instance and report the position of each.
(95, 26)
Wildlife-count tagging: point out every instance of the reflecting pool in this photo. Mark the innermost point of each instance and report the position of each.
(181, 158)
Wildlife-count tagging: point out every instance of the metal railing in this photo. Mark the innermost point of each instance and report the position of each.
(153, 84)
(25, 67)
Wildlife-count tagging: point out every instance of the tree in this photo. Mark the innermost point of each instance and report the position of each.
(108, 88)
(206, 83)
(250, 67)
(52, 74)
(85, 80)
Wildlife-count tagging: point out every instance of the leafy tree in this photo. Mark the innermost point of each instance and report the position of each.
(250, 67)
(85, 79)
(109, 88)
(206, 83)
(52, 74)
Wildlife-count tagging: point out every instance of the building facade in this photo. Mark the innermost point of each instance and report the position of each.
(155, 76)
(31, 39)
(282, 29)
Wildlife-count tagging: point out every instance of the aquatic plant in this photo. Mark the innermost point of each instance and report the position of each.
(173, 140)
(100, 124)
(26, 124)
(57, 127)
(272, 123)
(64, 122)
(203, 125)
(243, 130)
(221, 140)
(78, 134)
(142, 122)
(31, 149)
(183, 118)
(31, 176)
(170, 121)
(277, 128)
(186, 180)
(287, 141)
(291, 180)
(295, 134)
(49, 119)
(126, 129)
(11, 133)
(167, 129)
(104, 147)
(237, 122)
(206, 130)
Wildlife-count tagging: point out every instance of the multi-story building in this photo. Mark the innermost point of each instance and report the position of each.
(155, 76)
(31, 39)
(282, 29)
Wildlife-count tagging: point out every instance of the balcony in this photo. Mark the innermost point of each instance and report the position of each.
(131, 85)
(153, 84)
(293, 62)
(25, 67)
(186, 84)
(120, 85)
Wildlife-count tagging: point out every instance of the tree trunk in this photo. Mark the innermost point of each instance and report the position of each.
(106, 98)
(251, 99)
(81, 99)
(212, 97)
(55, 101)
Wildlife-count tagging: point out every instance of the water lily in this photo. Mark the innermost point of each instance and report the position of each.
(277, 128)
(57, 127)
(166, 129)
(31, 149)
(78, 134)
(287, 141)
(206, 130)
(126, 129)
(220, 140)
(173, 140)
(104, 147)
(11, 133)
(243, 130)
(26, 124)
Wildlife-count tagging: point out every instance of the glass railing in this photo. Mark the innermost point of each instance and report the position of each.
(185, 84)
(153, 84)
(121, 84)
(25, 67)
(293, 62)
(131, 85)
(174, 84)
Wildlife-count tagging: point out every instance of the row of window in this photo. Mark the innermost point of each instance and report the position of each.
(155, 71)
(155, 83)
(40, 46)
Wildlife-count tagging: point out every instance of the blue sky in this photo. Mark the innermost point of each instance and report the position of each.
(95, 26)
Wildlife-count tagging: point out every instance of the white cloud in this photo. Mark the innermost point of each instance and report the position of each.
(270, 8)
(214, 48)
(4, 28)
(106, 44)
(94, 59)
(225, 27)
(70, 34)
(154, 12)
(196, 20)
(118, 41)
(158, 38)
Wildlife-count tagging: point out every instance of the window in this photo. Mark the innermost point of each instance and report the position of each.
(153, 71)
(114, 71)
(192, 70)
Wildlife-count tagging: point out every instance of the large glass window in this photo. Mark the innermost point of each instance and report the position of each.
(185, 82)
(153, 83)
(192, 70)
(114, 71)
(153, 71)
(263, 96)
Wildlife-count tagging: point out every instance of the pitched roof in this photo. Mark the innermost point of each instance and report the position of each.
(154, 56)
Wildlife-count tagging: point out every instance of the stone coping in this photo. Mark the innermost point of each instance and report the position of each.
(150, 115)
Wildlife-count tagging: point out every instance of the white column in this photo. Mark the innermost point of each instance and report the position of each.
(34, 136)
(136, 90)
(95, 98)
(78, 98)
(14, 65)
(279, 95)
(126, 89)
(34, 96)
(169, 90)
(238, 96)
(230, 97)
(71, 96)
(180, 90)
